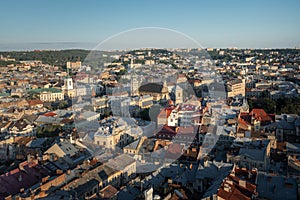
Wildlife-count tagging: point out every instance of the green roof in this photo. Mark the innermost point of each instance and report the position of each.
(40, 90)
(4, 94)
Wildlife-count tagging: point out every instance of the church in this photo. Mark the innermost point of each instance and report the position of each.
(157, 90)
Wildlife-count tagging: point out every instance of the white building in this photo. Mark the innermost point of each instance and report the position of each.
(51, 95)
(184, 115)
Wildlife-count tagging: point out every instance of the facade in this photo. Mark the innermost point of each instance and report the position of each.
(236, 87)
(162, 117)
(125, 164)
(288, 128)
(74, 65)
(145, 101)
(178, 94)
(184, 115)
(110, 134)
(156, 90)
(255, 155)
(255, 121)
(50, 96)
(22, 127)
(65, 154)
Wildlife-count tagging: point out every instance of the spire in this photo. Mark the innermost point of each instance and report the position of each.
(131, 63)
(165, 84)
(245, 106)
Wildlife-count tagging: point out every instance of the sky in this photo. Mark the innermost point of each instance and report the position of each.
(63, 24)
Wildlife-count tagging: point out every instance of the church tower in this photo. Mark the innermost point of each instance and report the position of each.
(134, 83)
(245, 106)
(68, 86)
(68, 83)
(178, 95)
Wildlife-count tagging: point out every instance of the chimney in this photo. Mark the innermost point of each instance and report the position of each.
(21, 167)
(205, 162)
(249, 175)
(227, 189)
(242, 183)
(20, 178)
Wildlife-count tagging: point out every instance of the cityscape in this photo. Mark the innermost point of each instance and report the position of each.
(148, 112)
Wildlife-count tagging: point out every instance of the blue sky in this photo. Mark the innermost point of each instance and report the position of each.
(69, 24)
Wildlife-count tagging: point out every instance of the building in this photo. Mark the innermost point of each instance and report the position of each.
(276, 187)
(125, 164)
(251, 155)
(184, 115)
(16, 181)
(87, 190)
(145, 101)
(255, 121)
(236, 87)
(288, 128)
(134, 147)
(162, 117)
(112, 134)
(156, 90)
(65, 155)
(22, 126)
(51, 94)
(37, 104)
(74, 65)
(178, 95)
(239, 184)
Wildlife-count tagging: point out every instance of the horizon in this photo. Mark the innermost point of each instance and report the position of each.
(142, 48)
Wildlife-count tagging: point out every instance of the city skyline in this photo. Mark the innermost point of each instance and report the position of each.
(63, 25)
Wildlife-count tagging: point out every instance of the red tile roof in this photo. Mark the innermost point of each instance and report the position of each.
(50, 114)
(232, 189)
(108, 192)
(34, 102)
(243, 124)
(174, 151)
(260, 114)
(257, 114)
(166, 131)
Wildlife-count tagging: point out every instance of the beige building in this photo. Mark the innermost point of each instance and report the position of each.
(124, 163)
(74, 65)
(134, 147)
(51, 96)
(236, 87)
(110, 135)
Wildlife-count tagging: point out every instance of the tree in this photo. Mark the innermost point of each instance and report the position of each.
(145, 114)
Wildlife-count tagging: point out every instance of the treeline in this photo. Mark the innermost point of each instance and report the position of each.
(58, 58)
(280, 106)
(5, 63)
